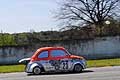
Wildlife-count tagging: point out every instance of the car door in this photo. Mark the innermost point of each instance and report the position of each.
(43, 59)
(60, 60)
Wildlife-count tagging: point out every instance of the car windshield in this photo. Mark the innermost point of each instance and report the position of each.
(69, 53)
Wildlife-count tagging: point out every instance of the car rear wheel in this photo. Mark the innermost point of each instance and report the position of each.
(78, 68)
(36, 70)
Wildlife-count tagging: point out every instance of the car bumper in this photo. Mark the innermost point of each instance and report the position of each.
(84, 63)
(28, 68)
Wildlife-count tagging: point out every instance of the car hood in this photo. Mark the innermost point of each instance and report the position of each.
(24, 60)
(74, 56)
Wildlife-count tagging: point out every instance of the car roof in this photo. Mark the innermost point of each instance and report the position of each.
(46, 48)
(49, 48)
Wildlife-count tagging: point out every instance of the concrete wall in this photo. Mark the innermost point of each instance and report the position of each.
(11, 55)
(105, 47)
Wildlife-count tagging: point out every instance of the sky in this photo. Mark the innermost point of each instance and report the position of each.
(18, 16)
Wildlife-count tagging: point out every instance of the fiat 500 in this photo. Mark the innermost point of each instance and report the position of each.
(53, 59)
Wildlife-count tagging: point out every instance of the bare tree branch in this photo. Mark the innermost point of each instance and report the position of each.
(90, 11)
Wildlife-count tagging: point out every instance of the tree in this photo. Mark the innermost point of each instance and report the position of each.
(87, 11)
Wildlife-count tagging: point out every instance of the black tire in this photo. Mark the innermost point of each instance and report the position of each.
(77, 68)
(37, 70)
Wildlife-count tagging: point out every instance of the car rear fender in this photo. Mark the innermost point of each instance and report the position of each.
(33, 65)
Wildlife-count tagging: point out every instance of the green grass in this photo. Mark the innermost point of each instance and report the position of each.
(103, 63)
(11, 68)
(90, 63)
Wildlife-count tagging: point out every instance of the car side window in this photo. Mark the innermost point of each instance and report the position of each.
(43, 54)
(58, 53)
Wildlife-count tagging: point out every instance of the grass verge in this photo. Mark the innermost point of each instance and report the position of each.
(103, 62)
(90, 63)
(11, 68)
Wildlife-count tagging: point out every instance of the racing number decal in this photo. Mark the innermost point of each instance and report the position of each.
(65, 64)
(59, 64)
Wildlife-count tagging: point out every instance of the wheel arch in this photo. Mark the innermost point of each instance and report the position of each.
(37, 65)
(78, 63)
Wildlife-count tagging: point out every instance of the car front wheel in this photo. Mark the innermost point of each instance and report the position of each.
(36, 70)
(77, 68)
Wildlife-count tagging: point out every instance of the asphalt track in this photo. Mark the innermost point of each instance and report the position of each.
(103, 73)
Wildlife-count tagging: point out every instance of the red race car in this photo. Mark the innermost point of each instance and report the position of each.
(55, 59)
